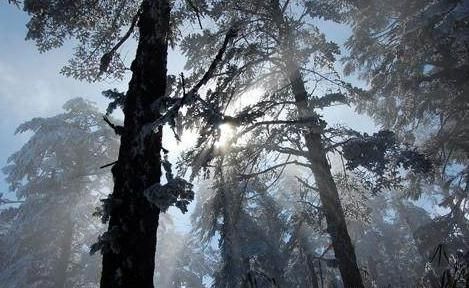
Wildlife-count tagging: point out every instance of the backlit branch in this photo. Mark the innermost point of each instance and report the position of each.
(294, 162)
(107, 57)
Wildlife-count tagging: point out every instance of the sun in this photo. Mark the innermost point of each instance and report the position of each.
(226, 134)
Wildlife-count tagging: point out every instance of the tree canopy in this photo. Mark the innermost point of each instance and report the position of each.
(279, 194)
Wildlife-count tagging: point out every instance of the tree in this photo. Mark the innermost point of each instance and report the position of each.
(57, 177)
(272, 53)
(414, 56)
(413, 53)
(278, 51)
(245, 219)
(386, 244)
(128, 246)
(182, 259)
(130, 242)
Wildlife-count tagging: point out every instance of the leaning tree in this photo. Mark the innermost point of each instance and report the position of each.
(274, 50)
(282, 52)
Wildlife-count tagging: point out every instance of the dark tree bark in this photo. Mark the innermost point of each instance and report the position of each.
(313, 277)
(129, 259)
(336, 225)
(316, 155)
(231, 253)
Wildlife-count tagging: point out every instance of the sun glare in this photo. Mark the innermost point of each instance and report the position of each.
(251, 96)
(227, 132)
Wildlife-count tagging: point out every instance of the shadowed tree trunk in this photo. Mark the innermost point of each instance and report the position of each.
(231, 254)
(128, 261)
(316, 155)
(231, 250)
(313, 277)
(336, 225)
(60, 278)
(413, 225)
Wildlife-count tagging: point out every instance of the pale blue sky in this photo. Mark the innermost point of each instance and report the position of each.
(31, 85)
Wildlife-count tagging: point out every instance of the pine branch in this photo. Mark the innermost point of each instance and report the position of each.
(306, 184)
(107, 57)
(232, 33)
(274, 167)
(309, 120)
(281, 149)
(187, 97)
(117, 128)
(15, 2)
(197, 12)
(107, 165)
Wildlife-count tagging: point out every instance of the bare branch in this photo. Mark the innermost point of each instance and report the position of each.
(338, 82)
(197, 12)
(6, 201)
(285, 6)
(232, 32)
(283, 150)
(306, 184)
(294, 162)
(308, 120)
(107, 57)
(107, 165)
(117, 128)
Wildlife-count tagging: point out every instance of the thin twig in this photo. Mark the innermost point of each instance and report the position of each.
(273, 168)
(117, 128)
(197, 12)
(107, 165)
(107, 57)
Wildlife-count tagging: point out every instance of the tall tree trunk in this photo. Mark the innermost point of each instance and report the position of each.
(431, 276)
(233, 269)
(233, 264)
(336, 225)
(129, 261)
(313, 277)
(60, 278)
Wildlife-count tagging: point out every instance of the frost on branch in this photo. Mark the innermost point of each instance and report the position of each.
(176, 191)
(104, 211)
(117, 100)
(380, 151)
(383, 158)
(328, 100)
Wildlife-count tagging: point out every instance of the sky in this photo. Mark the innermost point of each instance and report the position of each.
(31, 85)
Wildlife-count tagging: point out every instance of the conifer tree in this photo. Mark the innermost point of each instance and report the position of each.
(99, 29)
(272, 52)
(413, 54)
(57, 179)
